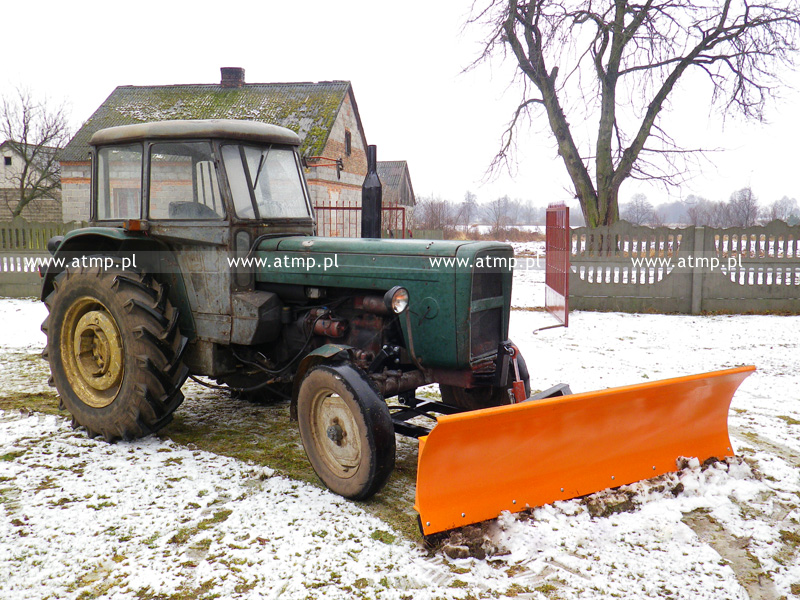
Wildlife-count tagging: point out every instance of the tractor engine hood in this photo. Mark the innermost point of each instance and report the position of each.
(454, 286)
(373, 263)
(372, 246)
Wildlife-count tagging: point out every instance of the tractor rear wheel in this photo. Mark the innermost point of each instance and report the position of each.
(484, 397)
(346, 429)
(115, 350)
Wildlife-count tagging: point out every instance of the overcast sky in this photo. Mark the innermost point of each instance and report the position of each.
(405, 61)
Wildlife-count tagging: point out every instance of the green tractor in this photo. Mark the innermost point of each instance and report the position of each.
(201, 260)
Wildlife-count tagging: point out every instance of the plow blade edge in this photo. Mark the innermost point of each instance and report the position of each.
(474, 465)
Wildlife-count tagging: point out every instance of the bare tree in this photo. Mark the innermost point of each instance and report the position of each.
(502, 213)
(468, 209)
(705, 213)
(743, 208)
(435, 213)
(35, 130)
(670, 212)
(638, 211)
(719, 214)
(495, 214)
(696, 210)
(616, 63)
(532, 214)
(781, 210)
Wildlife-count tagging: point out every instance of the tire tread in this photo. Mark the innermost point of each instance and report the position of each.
(154, 393)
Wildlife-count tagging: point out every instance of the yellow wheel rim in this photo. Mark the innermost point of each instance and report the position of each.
(92, 352)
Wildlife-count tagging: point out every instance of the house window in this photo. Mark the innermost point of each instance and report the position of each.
(7, 160)
(348, 143)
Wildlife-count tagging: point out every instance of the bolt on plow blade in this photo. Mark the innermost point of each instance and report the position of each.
(474, 465)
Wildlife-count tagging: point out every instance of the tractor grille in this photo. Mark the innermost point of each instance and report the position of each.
(485, 331)
(487, 284)
(486, 318)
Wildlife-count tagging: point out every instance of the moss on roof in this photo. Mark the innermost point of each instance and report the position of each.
(309, 109)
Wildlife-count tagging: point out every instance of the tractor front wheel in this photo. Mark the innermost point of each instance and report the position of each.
(114, 350)
(346, 429)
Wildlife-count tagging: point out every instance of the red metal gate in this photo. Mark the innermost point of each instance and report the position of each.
(336, 219)
(556, 277)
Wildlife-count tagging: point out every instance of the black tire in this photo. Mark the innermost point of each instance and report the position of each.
(115, 350)
(485, 397)
(346, 429)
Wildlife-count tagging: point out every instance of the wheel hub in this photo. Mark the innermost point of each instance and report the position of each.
(98, 350)
(91, 346)
(339, 441)
(335, 434)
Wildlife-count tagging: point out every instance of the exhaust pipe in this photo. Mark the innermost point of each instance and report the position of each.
(371, 197)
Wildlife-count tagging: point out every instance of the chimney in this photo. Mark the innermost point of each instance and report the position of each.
(232, 77)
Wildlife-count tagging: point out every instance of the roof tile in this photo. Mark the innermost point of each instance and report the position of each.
(309, 109)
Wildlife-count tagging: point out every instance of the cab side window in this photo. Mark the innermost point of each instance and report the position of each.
(119, 182)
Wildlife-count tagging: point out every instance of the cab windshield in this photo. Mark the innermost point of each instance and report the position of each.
(266, 182)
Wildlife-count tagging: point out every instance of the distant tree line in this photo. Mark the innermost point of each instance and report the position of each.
(742, 209)
(497, 216)
(500, 216)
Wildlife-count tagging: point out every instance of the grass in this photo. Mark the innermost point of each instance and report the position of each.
(383, 536)
(46, 403)
(219, 517)
(10, 456)
(547, 589)
(516, 589)
(265, 435)
(790, 537)
(259, 434)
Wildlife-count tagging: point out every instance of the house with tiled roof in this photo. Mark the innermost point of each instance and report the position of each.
(324, 115)
(35, 166)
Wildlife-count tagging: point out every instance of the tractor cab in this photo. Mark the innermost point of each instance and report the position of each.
(187, 178)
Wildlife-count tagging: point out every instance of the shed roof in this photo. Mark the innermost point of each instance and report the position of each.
(308, 109)
(391, 174)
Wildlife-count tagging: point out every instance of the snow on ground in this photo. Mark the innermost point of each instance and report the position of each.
(154, 519)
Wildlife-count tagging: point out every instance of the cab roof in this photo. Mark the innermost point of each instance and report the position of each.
(231, 129)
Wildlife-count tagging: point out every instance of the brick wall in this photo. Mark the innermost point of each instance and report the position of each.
(39, 210)
(323, 182)
(75, 191)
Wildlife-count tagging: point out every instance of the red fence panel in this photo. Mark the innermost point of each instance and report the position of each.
(344, 220)
(556, 277)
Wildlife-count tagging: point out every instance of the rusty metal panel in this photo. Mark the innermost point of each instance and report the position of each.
(557, 249)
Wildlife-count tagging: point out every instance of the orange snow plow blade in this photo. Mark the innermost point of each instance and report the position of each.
(474, 465)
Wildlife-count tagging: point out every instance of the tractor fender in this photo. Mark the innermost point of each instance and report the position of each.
(102, 240)
(92, 239)
(329, 353)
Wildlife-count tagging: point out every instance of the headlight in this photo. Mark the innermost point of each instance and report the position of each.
(396, 299)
